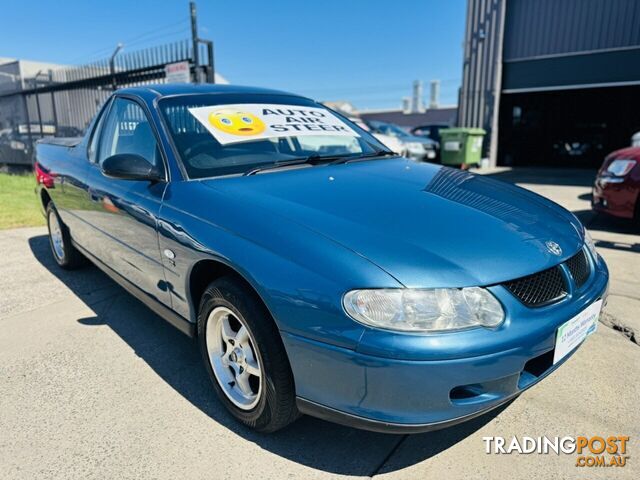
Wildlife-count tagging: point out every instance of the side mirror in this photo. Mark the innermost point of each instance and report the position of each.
(129, 166)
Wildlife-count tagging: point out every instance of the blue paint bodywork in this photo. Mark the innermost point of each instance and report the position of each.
(304, 237)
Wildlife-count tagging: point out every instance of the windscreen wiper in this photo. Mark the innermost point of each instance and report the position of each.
(314, 159)
(363, 156)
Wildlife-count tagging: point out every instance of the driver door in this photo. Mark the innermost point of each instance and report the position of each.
(124, 213)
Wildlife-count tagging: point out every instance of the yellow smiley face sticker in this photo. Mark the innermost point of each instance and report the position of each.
(236, 123)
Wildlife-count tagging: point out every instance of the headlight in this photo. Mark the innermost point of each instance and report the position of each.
(620, 168)
(414, 146)
(424, 310)
(588, 241)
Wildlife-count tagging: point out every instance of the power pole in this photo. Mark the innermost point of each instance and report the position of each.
(112, 66)
(211, 71)
(194, 39)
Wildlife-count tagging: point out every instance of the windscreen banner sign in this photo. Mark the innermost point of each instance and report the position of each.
(252, 121)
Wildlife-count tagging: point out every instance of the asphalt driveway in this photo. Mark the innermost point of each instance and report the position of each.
(94, 385)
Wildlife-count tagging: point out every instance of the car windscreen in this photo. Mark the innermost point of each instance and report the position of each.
(227, 134)
(389, 129)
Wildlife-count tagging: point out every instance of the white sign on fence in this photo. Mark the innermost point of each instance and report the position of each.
(177, 72)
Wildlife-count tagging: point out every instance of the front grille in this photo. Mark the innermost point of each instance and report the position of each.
(540, 288)
(579, 268)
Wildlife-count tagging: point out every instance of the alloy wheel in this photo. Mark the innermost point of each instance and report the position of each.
(55, 231)
(234, 359)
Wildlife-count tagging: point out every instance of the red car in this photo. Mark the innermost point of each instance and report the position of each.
(617, 187)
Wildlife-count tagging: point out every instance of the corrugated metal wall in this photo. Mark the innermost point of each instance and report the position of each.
(536, 28)
(517, 31)
(482, 64)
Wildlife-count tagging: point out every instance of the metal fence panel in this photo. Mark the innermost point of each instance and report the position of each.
(62, 102)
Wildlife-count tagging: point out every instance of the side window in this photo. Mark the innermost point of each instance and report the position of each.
(127, 130)
(92, 149)
(384, 129)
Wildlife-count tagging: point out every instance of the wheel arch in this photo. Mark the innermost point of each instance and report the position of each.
(207, 270)
(45, 198)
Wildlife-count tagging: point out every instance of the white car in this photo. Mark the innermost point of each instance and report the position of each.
(419, 148)
(389, 141)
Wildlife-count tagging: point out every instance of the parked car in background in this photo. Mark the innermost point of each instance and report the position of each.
(584, 145)
(431, 131)
(14, 146)
(389, 141)
(617, 187)
(320, 272)
(418, 148)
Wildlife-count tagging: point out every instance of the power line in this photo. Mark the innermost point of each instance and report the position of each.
(373, 88)
(136, 40)
(156, 30)
(182, 30)
(356, 89)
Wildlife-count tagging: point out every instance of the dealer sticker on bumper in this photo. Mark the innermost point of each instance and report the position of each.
(571, 333)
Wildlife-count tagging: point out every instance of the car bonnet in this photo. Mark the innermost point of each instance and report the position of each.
(426, 225)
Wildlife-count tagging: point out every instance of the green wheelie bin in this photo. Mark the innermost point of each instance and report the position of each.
(461, 146)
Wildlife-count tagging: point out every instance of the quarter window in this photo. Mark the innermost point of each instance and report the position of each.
(92, 150)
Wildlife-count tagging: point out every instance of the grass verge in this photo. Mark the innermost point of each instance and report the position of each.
(18, 204)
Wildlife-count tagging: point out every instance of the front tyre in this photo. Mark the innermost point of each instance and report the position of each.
(64, 253)
(244, 356)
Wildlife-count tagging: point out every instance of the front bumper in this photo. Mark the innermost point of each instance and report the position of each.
(614, 196)
(430, 154)
(366, 389)
(416, 153)
(307, 407)
(424, 155)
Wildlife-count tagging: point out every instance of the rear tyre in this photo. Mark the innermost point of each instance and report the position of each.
(244, 356)
(64, 253)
